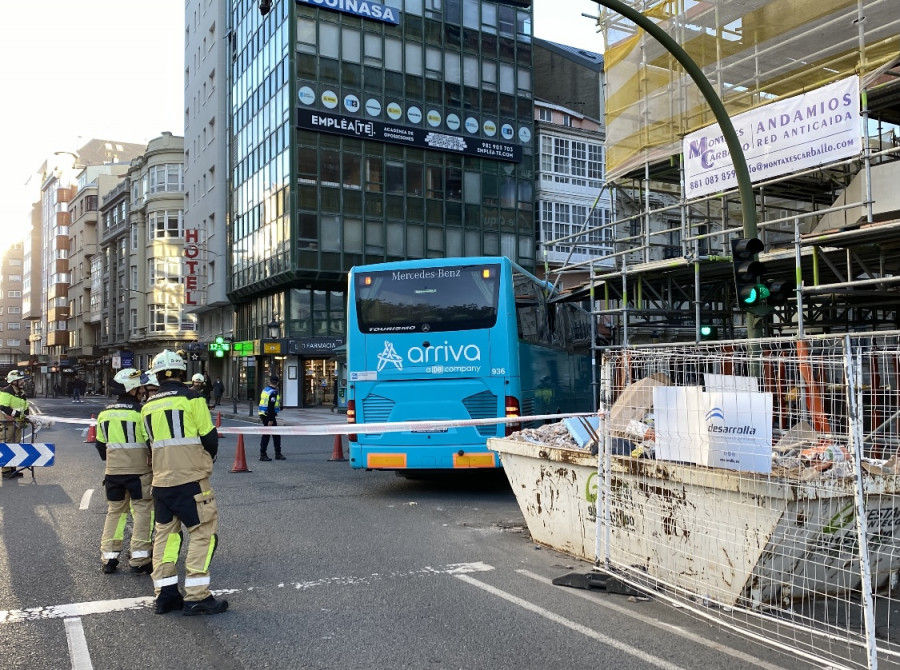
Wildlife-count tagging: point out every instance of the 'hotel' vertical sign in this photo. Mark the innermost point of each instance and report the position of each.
(191, 265)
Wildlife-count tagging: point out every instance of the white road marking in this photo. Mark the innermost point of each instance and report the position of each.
(74, 609)
(86, 499)
(577, 627)
(676, 630)
(123, 604)
(78, 649)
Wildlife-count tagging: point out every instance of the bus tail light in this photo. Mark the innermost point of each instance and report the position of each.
(512, 409)
(351, 418)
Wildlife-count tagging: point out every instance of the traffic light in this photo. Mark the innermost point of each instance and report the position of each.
(708, 333)
(779, 291)
(749, 284)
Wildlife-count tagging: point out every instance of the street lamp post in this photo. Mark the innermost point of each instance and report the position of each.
(274, 327)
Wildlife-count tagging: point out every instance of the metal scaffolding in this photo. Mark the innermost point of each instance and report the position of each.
(831, 228)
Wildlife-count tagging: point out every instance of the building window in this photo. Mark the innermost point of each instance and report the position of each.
(164, 318)
(545, 114)
(13, 294)
(14, 325)
(167, 178)
(14, 309)
(13, 343)
(165, 224)
(14, 278)
(165, 270)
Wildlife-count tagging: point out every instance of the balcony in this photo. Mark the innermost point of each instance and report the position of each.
(58, 338)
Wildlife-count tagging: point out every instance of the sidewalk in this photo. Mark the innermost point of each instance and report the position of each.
(289, 416)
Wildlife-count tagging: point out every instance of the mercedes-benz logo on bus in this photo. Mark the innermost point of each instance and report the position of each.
(425, 328)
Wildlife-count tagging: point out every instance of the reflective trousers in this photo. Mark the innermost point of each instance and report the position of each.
(193, 505)
(11, 433)
(122, 494)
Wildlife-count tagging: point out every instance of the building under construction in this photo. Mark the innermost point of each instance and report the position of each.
(830, 225)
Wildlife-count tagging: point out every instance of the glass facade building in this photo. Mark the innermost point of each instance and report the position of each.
(366, 132)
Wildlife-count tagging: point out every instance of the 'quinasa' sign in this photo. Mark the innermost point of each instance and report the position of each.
(361, 8)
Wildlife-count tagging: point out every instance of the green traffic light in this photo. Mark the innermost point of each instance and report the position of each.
(705, 331)
(754, 294)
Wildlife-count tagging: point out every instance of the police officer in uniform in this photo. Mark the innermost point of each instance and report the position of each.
(184, 444)
(269, 406)
(122, 443)
(13, 414)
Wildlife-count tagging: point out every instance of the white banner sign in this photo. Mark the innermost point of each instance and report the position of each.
(720, 429)
(789, 135)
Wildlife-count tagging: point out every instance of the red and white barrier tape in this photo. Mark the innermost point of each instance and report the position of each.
(359, 428)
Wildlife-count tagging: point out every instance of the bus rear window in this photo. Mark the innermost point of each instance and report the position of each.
(427, 299)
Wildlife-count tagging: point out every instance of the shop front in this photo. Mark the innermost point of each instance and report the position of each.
(312, 371)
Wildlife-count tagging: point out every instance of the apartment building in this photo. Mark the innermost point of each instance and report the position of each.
(14, 353)
(140, 293)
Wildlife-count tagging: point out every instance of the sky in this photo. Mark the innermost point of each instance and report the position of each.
(114, 69)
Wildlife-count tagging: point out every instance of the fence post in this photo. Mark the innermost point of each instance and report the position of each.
(853, 374)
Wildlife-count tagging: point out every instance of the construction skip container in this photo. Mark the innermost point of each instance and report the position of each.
(727, 536)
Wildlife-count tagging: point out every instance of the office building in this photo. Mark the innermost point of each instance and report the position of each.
(363, 133)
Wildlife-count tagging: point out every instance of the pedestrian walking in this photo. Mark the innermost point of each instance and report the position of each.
(269, 407)
(78, 387)
(184, 444)
(218, 391)
(122, 442)
(14, 411)
(57, 389)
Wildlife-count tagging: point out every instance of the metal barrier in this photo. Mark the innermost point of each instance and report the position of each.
(737, 478)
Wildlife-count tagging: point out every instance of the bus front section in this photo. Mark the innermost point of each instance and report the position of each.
(426, 343)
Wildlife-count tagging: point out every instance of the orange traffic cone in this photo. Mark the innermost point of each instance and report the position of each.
(338, 453)
(240, 459)
(92, 431)
(219, 425)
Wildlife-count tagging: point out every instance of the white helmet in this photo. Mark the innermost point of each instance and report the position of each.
(167, 360)
(198, 378)
(129, 378)
(149, 379)
(15, 375)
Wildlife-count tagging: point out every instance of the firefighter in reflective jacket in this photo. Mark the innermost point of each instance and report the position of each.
(184, 444)
(13, 414)
(122, 443)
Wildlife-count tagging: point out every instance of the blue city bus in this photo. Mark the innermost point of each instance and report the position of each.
(457, 339)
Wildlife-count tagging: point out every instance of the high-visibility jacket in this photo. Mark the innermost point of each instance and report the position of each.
(269, 401)
(122, 438)
(182, 437)
(13, 404)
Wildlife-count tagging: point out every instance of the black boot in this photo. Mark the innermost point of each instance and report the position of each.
(279, 456)
(110, 566)
(208, 605)
(145, 569)
(169, 599)
(264, 457)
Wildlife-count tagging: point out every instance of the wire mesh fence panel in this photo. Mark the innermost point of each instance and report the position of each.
(737, 478)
